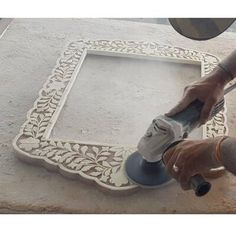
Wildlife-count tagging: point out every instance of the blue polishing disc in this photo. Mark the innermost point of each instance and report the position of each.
(146, 174)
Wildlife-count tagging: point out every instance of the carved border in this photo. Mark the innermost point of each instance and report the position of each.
(101, 163)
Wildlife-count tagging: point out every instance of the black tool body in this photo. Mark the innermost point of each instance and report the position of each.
(190, 116)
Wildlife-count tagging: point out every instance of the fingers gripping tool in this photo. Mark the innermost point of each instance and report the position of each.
(145, 167)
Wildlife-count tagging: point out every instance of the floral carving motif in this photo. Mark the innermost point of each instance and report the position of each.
(100, 163)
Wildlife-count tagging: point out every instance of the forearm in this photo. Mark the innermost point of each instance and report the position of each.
(224, 72)
(228, 154)
(229, 64)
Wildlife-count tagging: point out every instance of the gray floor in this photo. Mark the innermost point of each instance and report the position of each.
(4, 23)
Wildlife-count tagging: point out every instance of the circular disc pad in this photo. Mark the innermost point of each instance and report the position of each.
(201, 28)
(147, 174)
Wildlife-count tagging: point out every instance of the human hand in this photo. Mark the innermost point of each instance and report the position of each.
(191, 157)
(209, 90)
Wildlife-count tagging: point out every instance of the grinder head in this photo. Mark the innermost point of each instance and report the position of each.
(146, 174)
(145, 167)
(159, 135)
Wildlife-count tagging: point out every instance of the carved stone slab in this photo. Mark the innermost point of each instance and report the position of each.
(100, 163)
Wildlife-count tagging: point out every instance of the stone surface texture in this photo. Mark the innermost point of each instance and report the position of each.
(28, 52)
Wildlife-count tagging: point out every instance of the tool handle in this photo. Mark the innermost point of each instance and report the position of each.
(197, 182)
(199, 185)
(189, 116)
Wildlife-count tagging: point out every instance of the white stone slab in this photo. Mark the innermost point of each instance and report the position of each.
(114, 99)
(87, 121)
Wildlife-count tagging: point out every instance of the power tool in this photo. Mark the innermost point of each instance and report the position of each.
(145, 166)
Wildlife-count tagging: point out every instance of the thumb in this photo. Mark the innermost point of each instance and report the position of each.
(187, 99)
(206, 110)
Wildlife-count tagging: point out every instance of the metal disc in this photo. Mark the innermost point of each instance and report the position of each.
(201, 28)
(146, 174)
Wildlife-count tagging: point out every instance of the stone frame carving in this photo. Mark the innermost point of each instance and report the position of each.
(101, 163)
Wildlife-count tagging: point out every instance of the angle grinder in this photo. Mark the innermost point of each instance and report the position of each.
(145, 167)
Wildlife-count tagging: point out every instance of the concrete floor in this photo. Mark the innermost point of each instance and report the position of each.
(28, 52)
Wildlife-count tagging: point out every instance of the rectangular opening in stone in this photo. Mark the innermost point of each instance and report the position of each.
(114, 99)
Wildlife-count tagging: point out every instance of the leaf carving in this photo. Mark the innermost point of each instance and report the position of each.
(86, 168)
(84, 149)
